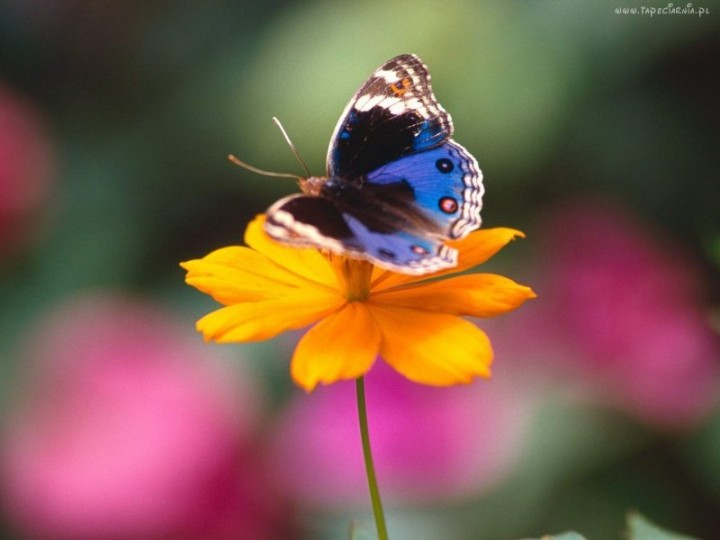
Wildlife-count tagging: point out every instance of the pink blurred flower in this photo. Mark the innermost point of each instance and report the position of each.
(26, 168)
(427, 442)
(626, 307)
(130, 429)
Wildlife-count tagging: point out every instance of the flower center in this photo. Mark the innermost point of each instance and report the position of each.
(355, 276)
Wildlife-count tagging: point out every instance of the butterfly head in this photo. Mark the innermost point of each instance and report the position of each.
(312, 185)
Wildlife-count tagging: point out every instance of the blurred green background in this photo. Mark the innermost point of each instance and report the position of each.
(136, 105)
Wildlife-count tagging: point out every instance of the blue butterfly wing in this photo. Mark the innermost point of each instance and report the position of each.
(446, 183)
(392, 115)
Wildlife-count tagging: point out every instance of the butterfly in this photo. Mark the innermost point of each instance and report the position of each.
(397, 185)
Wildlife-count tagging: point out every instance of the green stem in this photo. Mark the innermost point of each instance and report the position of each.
(369, 467)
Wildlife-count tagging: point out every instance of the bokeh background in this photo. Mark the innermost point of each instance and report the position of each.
(597, 131)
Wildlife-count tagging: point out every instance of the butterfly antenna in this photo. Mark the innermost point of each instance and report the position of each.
(292, 146)
(249, 167)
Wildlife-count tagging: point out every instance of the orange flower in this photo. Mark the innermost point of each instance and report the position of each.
(357, 310)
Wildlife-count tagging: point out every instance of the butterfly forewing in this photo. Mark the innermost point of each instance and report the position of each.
(392, 115)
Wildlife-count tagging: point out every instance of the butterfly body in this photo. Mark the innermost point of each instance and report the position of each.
(397, 186)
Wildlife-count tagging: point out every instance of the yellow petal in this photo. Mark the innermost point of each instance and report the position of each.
(256, 321)
(432, 348)
(239, 274)
(309, 263)
(475, 249)
(475, 295)
(481, 245)
(342, 346)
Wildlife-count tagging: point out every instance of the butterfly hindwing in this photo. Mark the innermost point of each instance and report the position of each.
(446, 185)
(392, 115)
(305, 220)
